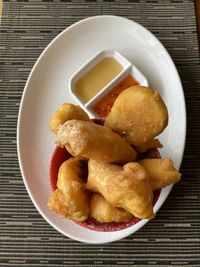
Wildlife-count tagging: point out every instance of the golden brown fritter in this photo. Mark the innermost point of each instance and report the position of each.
(155, 143)
(67, 112)
(161, 172)
(126, 187)
(93, 141)
(71, 199)
(104, 212)
(138, 114)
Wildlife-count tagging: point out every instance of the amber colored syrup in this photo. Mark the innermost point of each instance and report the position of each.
(95, 79)
(103, 107)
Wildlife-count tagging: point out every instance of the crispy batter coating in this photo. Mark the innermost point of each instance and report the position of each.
(93, 141)
(127, 187)
(70, 200)
(67, 112)
(161, 172)
(138, 114)
(155, 143)
(104, 212)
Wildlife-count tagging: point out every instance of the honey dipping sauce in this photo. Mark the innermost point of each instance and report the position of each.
(103, 106)
(95, 79)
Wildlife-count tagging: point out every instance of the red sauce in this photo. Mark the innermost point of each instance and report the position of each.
(103, 107)
(60, 155)
(94, 225)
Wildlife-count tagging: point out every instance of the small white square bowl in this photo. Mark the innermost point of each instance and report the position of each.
(127, 69)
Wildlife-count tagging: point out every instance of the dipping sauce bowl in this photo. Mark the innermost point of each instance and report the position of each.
(99, 81)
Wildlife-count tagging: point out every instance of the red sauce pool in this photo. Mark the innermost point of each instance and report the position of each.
(103, 107)
(60, 155)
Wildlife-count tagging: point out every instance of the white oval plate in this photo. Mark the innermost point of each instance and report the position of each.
(47, 88)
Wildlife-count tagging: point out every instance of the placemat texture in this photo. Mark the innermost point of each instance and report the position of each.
(26, 239)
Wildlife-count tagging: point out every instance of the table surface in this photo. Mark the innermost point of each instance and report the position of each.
(26, 239)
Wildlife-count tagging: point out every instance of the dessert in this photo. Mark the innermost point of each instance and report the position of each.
(103, 184)
(102, 211)
(161, 172)
(92, 141)
(139, 115)
(65, 113)
(70, 199)
(59, 156)
(126, 187)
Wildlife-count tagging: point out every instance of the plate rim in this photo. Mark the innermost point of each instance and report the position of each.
(45, 50)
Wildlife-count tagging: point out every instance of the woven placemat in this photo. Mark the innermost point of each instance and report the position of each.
(173, 238)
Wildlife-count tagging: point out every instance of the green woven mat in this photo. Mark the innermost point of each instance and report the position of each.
(173, 238)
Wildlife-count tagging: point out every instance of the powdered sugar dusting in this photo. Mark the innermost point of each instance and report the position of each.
(68, 134)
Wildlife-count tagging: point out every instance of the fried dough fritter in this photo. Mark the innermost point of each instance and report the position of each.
(126, 187)
(71, 199)
(104, 212)
(155, 143)
(92, 141)
(67, 112)
(138, 114)
(161, 172)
